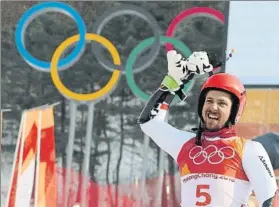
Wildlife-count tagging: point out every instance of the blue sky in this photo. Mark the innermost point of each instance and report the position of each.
(254, 34)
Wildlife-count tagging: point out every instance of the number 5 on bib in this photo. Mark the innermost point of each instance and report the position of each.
(202, 192)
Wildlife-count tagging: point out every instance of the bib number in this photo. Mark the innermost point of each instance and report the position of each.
(202, 192)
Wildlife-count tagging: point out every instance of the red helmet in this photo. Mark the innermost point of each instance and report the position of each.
(227, 83)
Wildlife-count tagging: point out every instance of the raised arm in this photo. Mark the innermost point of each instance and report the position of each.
(152, 122)
(259, 171)
(153, 117)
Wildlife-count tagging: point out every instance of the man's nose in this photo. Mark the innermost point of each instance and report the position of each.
(214, 107)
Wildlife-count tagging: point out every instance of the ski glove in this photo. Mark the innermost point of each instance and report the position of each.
(181, 69)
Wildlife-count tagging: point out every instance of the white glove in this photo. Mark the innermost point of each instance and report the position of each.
(180, 68)
(175, 68)
(198, 63)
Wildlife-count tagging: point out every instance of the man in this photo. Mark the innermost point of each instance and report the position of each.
(217, 168)
(270, 142)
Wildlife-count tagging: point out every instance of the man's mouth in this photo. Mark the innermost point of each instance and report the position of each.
(212, 116)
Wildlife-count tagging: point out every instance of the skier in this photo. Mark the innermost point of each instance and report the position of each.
(270, 142)
(217, 168)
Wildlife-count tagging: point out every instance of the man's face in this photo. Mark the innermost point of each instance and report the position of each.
(216, 109)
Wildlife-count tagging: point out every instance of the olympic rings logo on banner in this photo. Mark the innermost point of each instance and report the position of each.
(117, 67)
(215, 156)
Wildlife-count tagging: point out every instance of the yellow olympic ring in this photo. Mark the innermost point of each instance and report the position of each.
(91, 96)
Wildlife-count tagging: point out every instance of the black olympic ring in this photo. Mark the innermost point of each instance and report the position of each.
(141, 63)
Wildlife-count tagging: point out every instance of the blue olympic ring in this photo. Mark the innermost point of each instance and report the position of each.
(34, 12)
(81, 41)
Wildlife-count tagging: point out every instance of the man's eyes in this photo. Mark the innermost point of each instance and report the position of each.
(220, 103)
(223, 104)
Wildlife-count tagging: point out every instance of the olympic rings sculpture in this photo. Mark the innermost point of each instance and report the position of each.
(215, 156)
(128, 68)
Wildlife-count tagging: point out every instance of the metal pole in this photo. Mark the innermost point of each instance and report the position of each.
(145, 166)
(161, 177)
(73, 111)
(39, 136)
(131, 192)
(86, 158)
(1, 127)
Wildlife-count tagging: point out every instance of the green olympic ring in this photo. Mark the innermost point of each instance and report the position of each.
(137, 50)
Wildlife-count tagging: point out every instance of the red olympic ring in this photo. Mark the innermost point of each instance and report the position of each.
(187, 13)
